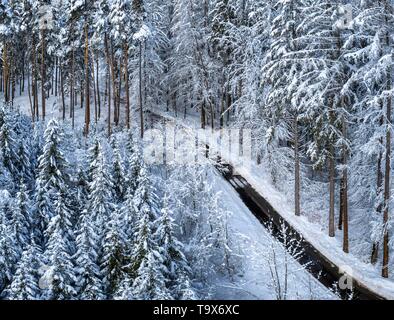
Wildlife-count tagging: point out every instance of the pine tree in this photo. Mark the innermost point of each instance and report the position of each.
(24, 285)
(113, 255)
(118, 174)
(52, 175)
(21, 218)
(145, 211)
(171, 250)
(150, 283)
(9, 148)
(60, 275)
(93, 154)
(89, 277)
(100, 197)
(9, 252)
(53, 165)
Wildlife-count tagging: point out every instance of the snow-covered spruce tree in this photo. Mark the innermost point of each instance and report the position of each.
(61, 222)
(9, 147)
(93, 153)
(118, 173)
(150, 283)
(24, 167)
(52, 175)
(89, 278)
(125, 291)
(114, 255)
(24, 284)
(171, 249)
(21, 218)
(146, 264)
(145, 208)
(133, 169)
(128, 214)
(79, 194)
(9, 254)
(60, 276)
(100, 199)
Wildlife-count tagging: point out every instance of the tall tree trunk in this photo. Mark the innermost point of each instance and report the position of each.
(98, 88)
(5, 72)
(140, 93)
(29, 94)
(331, 219)
(109, 82)
(389, 87)
(94, 90)
(344, 191)
(385, 269)
(72, 90)
(34, 79)
(56, 75)
(43, 73)
(62, 92)
(379, 184)
(297, 197)
(126, 71)
(203, 116)
(87, 84)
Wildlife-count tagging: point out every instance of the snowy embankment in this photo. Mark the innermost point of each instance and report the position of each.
(366, 275)
(255, 241)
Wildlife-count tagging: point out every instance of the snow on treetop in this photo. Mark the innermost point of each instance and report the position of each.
(142, 34)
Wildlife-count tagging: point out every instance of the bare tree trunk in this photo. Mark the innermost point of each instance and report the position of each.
(331, 220)
(98, 88)
(72, 90)
(375, 246)
(87, 84)
(297, 198)
(140, 93)
(34, 80)
(43, 73)
(56, 75)
(62, 92)
(119, 92)
(109, 82)
(29, 94)
(5, 72)
(385, 269)
(94, 91)
(344, 191)
(203, 116)
(126, 71)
